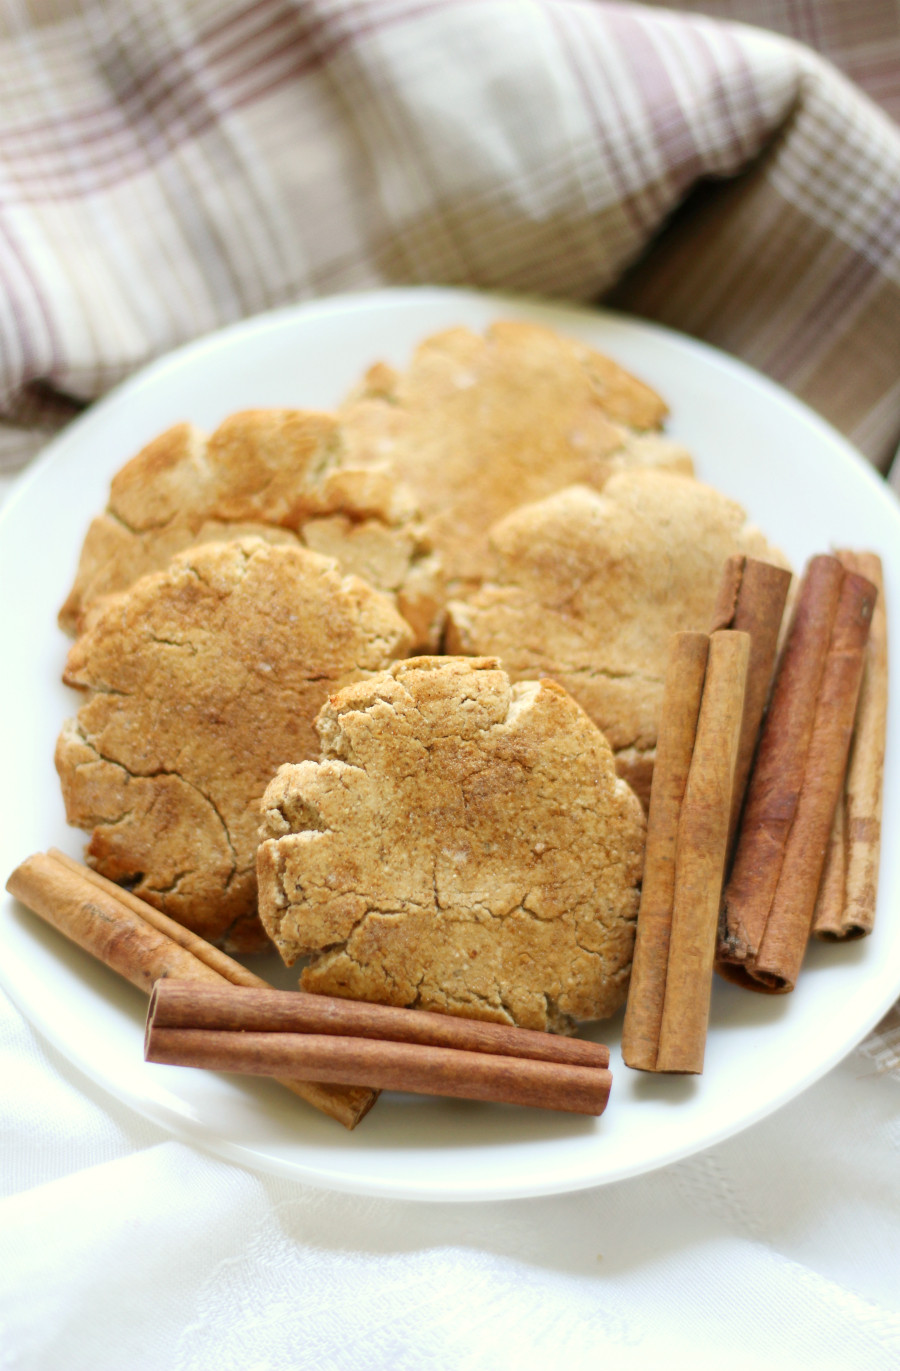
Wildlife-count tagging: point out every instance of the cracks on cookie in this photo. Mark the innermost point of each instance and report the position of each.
(100, 756)
(102, 689)
(190, 569)
(558, 1021)
(504, 1005)
(226, 832)
(282, 905)
(170, 889)
(610, 674)
(184, 643)
(118, 518)
(539, 666)
(442, 999)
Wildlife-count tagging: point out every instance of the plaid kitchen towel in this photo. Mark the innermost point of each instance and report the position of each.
(862, 37)
(168, 166)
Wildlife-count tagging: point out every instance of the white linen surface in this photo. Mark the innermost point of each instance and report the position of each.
(123, 1248)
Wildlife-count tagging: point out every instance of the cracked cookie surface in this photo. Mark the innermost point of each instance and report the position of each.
(463, 846)
(478, 425)
(589, 587)
(279, 474)
(201, 681)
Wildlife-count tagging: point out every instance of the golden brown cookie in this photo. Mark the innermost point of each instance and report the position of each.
(201, 681)
(279, 474)
(478, 425)
(589, 587)
(464, 846)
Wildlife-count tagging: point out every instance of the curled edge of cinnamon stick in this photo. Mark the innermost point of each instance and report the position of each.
(383, 1063)
(777, 775)
(142, 945)
(828, 915)
(682, 692)
(848, 894)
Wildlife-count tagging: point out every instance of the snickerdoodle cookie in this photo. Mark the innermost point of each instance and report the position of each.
(201, 680)
(464, 845)
(477, 425)
(280, 474)
(589, 586)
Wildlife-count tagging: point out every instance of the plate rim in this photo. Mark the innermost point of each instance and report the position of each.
(391, 297)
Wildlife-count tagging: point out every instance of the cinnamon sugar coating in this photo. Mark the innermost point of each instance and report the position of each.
(477, 425)
(589, 587)
(278, 474)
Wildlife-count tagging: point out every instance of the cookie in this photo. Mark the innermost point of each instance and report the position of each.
(464, 846)
(274, 473)
(589, 588)
(478, 425)
(201, 680)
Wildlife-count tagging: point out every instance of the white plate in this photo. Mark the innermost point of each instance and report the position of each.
(801, 482)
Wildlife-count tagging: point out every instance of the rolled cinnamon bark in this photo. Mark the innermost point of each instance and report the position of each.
(387, 1066)
(848, 894)
(777, 964)
(752, 596)
(685, 671)
(777, 775)
(701, 854)
(667, 1013)
(100, 924)
(230, 1009)
(213, 957)
(796, 782)
(103, 920)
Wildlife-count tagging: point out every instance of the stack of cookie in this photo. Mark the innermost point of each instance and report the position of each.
(453, 831)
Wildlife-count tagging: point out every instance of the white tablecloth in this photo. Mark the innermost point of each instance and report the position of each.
(121, 1247)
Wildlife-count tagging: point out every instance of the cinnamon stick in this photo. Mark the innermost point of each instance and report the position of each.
(848, 893)
(685, 671)
(100, 924)
(752, 596)
(700, 856)
(174, 1004)
(143, 945)
(777, 774)
(667, 1014)
(384, 1064)
(796, 781)
(211, 956)
(778, 961)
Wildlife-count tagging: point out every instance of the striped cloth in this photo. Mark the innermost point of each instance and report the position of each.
(862, 37)
(169, 166)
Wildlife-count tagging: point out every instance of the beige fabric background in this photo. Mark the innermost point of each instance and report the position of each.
(171, 165)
